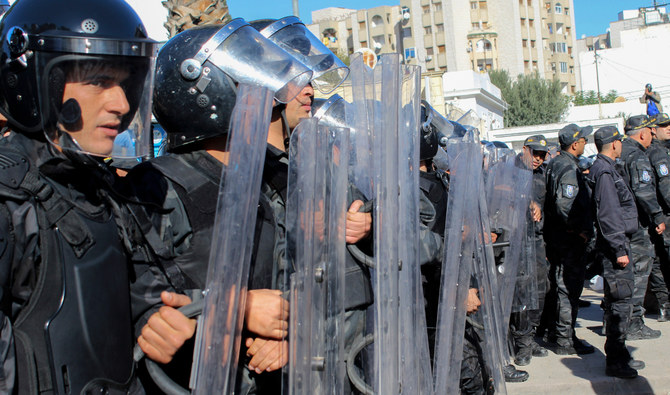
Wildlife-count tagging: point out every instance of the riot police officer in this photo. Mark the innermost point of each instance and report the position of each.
(639, 174)
(616, 219)
(568, 228)
(75, 74)
(178, 192)
(659, 157)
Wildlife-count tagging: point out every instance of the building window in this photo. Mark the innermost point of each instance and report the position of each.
(426, 9)
(564, 67)
(558, 8)
(364, 44)
(565, 10)
(361, 25)
(553, 67)
(548, 7)
(526, 64)
(377, 21)
(561, 47)
(483, 45)
(534, 64)
(551, 28)
(437, 7)
(440, 28)
(532, 43)
(441, 49)
(429, 51)
(523, 21)
(427, 30)
(473, 5)
(524, 43)
(559, 28)
(410, 53)
(475, 26)
(407, 32)
(531, 22)
(482, 5)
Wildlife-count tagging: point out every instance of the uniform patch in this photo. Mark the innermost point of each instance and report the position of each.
(569, 191)
(646, 177)
(663, 169)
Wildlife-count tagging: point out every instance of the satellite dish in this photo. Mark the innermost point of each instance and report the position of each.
(369, 57)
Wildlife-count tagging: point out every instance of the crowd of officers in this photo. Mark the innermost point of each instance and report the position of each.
(94, 258)
(605, 218)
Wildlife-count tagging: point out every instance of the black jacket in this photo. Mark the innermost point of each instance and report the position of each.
(613, 206)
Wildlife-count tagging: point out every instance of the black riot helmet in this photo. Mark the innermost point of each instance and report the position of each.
(49, 46)
(197, 72)
(435, 129)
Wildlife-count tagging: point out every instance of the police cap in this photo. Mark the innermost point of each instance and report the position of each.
(571, 133)
(606, 135)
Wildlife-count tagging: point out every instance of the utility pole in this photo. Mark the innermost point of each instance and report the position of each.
(296, 11)
(595, 59)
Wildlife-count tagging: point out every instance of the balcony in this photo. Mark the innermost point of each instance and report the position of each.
(425, 20)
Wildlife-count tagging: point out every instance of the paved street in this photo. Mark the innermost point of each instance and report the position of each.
(586, 375)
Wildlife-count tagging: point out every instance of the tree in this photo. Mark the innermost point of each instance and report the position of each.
(185, 14)
(531, 100)
(583, 98)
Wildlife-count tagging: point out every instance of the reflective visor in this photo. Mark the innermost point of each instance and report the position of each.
(247, 57)
(293, 36)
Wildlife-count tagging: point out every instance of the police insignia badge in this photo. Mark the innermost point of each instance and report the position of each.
(663, 169)
(645, 176)
(569, 191)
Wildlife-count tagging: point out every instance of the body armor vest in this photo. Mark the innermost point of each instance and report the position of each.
(74, 335)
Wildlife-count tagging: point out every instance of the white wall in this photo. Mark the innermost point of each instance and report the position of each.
(643, 58)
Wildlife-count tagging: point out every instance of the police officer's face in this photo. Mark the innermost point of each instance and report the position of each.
(663, 132)
(581, 144)
(646, 137)
(538, 158)
(300, 107)
(103, 104)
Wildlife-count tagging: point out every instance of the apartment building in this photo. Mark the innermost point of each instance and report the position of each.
(521, 36)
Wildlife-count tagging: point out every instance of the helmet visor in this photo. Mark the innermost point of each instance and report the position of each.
(98, 104)
(249, 58)
(332, 112)
(294, 37)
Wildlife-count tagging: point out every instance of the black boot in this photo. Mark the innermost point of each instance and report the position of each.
(512, 375)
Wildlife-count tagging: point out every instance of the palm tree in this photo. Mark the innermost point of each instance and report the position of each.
(185, 14)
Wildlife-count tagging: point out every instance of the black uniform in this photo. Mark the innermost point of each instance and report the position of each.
(66, 308)
(616, 221)
(567, 229)
(178, 195)
(539, 196)
(639, 174)
(659, 157)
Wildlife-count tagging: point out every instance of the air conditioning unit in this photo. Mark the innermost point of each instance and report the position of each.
(378, 45)
(429, 58)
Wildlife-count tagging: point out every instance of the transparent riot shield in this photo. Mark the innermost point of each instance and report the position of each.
(220, 326)
(415, 356)
(507, 197)
(525, 293)
(457, 262)
(315, 220)
(360, 161)
(490, 314)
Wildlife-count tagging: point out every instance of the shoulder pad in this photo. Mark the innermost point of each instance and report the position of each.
(13, 168)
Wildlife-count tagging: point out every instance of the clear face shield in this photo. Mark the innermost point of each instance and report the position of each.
(294, 37)
(95, 95)
(332, 112)
(249, 58)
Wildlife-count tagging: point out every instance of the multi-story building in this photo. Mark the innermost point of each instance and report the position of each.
(520, 36)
